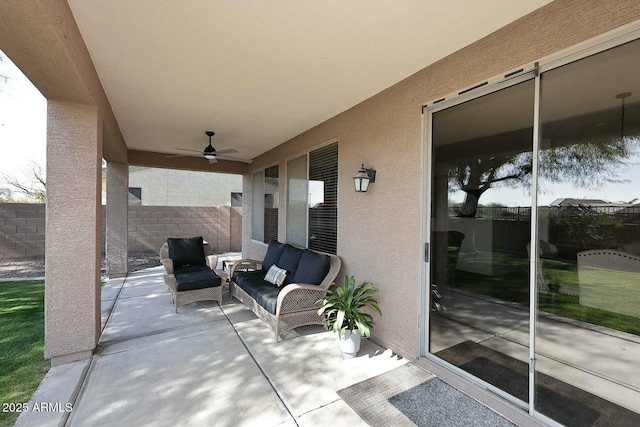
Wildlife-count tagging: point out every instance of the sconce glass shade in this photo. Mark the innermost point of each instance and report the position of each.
(361, 181)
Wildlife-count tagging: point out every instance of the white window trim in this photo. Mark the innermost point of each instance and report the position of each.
(286, 180)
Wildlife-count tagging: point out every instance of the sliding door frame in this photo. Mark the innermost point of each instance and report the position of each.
(611, 39)
(524, 74)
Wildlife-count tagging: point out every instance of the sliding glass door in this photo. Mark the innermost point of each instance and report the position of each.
(534, 238)
(480, 231)
(588, 326)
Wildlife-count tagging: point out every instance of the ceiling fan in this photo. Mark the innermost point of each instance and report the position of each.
(211, 154)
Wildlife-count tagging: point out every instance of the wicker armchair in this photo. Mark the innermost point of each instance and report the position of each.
(213, 293)
(297, 304)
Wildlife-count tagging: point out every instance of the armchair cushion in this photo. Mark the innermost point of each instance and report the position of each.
(193, 279)
(274, 252)
(312, 269)
(186, 251)
(289, 261)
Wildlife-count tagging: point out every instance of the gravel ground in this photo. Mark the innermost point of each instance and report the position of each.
(27, 268)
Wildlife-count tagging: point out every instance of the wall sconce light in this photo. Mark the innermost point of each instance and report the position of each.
(363, 179)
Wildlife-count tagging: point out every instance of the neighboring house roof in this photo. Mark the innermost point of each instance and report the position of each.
(567, 201)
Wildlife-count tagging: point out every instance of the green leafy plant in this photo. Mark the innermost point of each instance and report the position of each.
(342, 308)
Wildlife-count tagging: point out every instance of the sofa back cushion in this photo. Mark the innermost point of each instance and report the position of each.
(312, 268)
(186, 251)
(289, 261)
(274, 252)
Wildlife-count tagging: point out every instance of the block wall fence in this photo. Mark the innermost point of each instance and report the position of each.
(22, 228)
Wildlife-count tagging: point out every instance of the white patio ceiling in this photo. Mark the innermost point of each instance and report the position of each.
(260, 72)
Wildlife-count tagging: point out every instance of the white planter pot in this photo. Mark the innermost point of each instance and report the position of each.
(349, 343)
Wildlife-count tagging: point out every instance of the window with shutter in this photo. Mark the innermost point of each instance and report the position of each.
(312, 199)
(323, 199)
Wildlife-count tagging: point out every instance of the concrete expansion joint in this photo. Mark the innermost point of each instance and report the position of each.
(264, 374)
(115, 300)
(107, 344)
(319, 407)
(73, 399)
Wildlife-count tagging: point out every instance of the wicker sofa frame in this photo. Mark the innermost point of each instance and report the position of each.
(213, 293)
(297, 304)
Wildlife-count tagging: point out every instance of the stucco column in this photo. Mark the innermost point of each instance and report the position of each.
(117, 215)
(74, 178)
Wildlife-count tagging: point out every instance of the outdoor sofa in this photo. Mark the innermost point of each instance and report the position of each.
(189, 266)
(294, 303)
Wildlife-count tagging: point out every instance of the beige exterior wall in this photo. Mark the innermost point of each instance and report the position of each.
(170, 187)
(384, 132)
(73, 218)
(115, 219)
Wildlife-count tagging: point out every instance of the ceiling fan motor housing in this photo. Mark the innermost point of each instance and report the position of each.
(209, 151)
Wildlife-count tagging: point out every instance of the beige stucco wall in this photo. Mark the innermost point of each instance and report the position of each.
(115, 219)
(384, 132)
(170, 187)
(73, 218)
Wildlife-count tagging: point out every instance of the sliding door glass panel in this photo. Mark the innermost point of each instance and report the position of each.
(271, 203)
(588, 332)
(481, 227)
(297, 201)
(257, 220)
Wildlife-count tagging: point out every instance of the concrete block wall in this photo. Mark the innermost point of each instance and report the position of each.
(150, 226)
(22, 228)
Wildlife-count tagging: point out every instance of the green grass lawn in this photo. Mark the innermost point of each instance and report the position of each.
(22, 363)
(512, 284)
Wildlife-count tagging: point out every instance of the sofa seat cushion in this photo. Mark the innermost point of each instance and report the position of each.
(186, 251)
(263, 292)
(312, 269)
(289, 260)
(196, 279)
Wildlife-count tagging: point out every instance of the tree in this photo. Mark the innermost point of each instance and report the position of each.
(582, 164)
(5, 195)
(32, 184)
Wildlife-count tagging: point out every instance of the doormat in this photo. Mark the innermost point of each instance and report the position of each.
(397, 399)
(560, 401)
(370, 398)
(435, 403)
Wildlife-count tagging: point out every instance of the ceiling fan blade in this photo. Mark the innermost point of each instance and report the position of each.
(234, 159)
(176, 155)
(185, 149)
(227, 151)
(212, 161)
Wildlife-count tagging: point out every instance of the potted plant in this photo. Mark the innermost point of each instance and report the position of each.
(343, 313)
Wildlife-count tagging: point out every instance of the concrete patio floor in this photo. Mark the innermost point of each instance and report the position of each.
(593, 358)
(206, 365)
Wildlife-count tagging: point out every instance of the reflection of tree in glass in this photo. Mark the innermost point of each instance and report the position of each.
(585, 165)
(584, 227)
